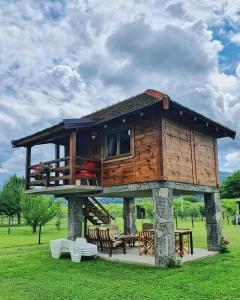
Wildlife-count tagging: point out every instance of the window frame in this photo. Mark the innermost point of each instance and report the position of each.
(117, 132)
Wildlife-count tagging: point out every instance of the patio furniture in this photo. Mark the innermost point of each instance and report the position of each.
(183, 239)
(82, 248)
(59, 246)
(87, 172)
(146, 242)
(76, 249)
(107, 240)
(130, 239)
(92, 235)
(106, 237)
(114, 231)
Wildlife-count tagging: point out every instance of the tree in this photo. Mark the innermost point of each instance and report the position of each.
(230, 187)
(38, 210)
(10, 198)
(59, 214)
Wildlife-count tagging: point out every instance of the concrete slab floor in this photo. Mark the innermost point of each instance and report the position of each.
(132, 256)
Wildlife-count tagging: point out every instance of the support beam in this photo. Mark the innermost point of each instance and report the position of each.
(27, 167)
(73, 156)
(75, 216)
(129, 216)
(163, 226)
(213, 221)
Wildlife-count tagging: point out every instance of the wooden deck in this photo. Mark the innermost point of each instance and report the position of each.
(67, 189)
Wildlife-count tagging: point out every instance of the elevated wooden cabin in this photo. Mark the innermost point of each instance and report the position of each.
(147, 145)
(145, 138)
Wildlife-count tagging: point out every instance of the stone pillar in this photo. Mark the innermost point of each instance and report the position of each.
(129, 216)
(163, 226)
(75, 217)
(213, 221)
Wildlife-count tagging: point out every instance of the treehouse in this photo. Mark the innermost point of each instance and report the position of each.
(147, 145)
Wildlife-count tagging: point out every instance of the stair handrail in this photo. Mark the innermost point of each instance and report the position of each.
(103, 208)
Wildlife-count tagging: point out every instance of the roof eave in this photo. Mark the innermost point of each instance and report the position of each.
(227, 132)
(30, 139)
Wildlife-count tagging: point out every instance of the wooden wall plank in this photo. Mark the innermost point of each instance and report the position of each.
(144, 165)
(190, 156)
(27, 167)
(205, 159)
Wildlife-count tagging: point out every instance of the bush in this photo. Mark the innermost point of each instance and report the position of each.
(224, 245)
(175, 261)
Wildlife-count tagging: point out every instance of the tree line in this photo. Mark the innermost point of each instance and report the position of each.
(37, 210)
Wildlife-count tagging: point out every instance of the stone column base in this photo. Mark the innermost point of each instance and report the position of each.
(213, 221)
(75, 217)
(163, 226)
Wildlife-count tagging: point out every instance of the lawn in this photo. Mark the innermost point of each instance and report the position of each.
(28, 272)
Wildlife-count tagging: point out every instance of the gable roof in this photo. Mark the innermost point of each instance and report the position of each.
(126, 106)
(133, 104)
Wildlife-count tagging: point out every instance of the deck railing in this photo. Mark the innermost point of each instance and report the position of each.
(63, 171)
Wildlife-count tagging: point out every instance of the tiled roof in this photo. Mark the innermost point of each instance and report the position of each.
(140, 101)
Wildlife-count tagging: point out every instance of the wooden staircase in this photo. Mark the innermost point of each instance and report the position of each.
(96, 213)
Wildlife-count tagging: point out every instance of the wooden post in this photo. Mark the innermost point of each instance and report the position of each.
(129, 216)
(85, 226)
(72, 154)
(27, 167)
(57, 165)
(66, 163)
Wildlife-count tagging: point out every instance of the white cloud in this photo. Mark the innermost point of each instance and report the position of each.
(238, 70)
(235, 38)
(232, 160)
(65, 59)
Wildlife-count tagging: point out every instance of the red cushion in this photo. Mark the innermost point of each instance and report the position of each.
(88, 173)
(89, 164)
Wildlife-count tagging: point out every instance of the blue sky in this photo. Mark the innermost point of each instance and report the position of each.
(62, 59)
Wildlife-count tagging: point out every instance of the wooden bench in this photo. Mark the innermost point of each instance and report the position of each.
(102, 237)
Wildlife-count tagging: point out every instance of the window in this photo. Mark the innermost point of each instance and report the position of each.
(118, 144)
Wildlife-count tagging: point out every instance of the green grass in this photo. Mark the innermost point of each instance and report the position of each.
(28, 272)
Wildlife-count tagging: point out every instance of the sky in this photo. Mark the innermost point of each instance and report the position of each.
(61, 59)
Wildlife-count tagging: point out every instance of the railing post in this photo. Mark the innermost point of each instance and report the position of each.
(57, 165)
(72, 155)
(47, 178)
(27, 168)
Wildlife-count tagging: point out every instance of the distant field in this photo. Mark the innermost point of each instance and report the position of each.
(28, 272)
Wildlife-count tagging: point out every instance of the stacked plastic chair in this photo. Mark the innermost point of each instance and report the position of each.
(76, 249)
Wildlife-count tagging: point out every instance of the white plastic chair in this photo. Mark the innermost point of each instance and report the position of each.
(76, 249)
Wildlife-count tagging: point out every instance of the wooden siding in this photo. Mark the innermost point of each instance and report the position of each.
(178, 152)
(189, 156)
(163, 150)
(205, 160)
(144, 163)
(147, 151)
